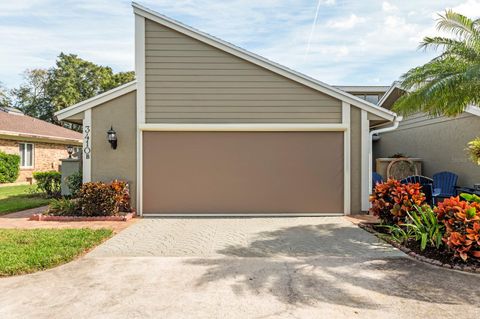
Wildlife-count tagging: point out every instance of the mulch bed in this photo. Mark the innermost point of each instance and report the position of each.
(119, 218)
(441, 258)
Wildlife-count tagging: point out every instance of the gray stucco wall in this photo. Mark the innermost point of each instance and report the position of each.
(440, 142)
(109, 164)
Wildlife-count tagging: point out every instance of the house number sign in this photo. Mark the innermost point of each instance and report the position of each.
(86, 142)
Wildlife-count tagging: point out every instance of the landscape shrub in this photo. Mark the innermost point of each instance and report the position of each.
(462, 226)
(392, 200)
(74, 183)
(425, 226)
(122, 195)
(64, 207)
(473, 149)
(104, 199)
(49, 183)
(9, 167)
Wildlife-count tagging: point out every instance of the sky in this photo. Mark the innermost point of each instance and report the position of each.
(352, 42)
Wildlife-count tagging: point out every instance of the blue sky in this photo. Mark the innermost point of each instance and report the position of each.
(352, 43)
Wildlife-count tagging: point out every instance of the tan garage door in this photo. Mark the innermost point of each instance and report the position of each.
(242, 172)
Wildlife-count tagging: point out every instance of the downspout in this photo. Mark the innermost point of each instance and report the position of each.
(396, 122)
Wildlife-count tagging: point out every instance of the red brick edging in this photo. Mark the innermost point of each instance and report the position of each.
(42, 217)
(416, 256)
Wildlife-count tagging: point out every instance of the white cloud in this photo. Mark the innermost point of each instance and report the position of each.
(370, 45)
(329, 2)
(388, 7)
(468, 8)
(346, 23)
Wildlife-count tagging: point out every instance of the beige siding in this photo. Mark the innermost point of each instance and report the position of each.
(109, 164)
(440, 142)
(188, 81)
(355, 161)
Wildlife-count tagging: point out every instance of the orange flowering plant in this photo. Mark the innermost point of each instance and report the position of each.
(104, 199)
(462, 224)
(392, 200)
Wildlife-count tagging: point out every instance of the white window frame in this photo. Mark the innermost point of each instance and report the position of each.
(22, 155)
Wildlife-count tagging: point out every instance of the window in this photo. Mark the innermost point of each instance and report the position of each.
(26, 154)
(372, 98)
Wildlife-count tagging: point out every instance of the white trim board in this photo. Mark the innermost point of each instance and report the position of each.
(365, 155)
(362, 88)
(346, 159)
(96, 100)
(262, 62)
(243, 127)
(87, 138)
(140, 107)
(250, 215)
(389, 91)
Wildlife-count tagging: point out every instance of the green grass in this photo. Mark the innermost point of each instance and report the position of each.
(20, 197)
(28, 250)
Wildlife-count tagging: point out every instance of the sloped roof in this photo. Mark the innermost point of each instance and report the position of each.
(234, 50)
(262, 62)
(25, 126)
(96, 100)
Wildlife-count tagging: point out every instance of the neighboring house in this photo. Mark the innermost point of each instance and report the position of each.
(211, 129)
(40, 144)
(439, 141)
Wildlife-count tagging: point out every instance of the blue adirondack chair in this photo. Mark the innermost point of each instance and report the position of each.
(425, 182)
(376, 178)
(444, 184)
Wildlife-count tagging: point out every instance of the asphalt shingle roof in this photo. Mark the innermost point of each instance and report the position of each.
(18, 124)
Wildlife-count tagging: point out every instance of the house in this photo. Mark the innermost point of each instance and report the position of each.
(439, 141)
(40, 144)
(209, 128)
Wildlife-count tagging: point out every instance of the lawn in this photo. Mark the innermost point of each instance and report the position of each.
(28, 250)
(20, 197)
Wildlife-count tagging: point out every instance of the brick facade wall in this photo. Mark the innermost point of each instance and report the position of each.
(46, 156)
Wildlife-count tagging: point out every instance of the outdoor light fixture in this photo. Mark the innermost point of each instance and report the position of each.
(112, 138)
(69, 151)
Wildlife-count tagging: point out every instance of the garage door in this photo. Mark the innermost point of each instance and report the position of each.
(242, 172)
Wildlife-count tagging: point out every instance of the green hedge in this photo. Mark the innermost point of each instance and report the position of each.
(9, 167)
(49, 182)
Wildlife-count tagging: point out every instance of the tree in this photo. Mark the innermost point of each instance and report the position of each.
(73, 80)
(450, 82)
(32, 97)
(5, 99)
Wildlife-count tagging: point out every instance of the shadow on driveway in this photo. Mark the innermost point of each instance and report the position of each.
(333, 263)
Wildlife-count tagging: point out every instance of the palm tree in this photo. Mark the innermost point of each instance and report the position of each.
(449, 83)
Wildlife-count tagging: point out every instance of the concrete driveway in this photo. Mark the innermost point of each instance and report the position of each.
(242, 268)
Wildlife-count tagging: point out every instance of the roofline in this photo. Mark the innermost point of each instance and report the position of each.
(40, 136)
(363, 88)
(261, 61)
(96, 100)
(472, 109)
(395, 85)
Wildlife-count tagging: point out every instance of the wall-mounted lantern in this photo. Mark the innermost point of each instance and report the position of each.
(69, 151)
(112, 137)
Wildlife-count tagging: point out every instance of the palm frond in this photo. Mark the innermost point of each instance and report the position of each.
(450, 82)
(457, 24)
